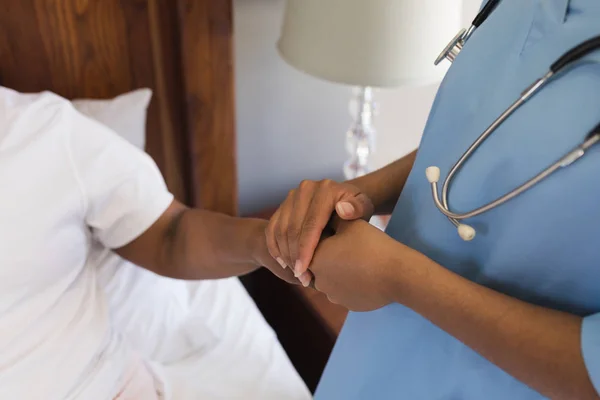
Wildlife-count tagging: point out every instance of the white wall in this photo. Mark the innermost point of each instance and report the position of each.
(291, 126)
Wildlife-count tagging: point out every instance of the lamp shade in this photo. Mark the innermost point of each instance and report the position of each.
(378, 43)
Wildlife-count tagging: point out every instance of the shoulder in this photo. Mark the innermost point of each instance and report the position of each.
(46, 122)
(13, 102)
(29, 117)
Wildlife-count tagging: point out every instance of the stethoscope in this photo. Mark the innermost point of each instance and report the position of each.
(467, 232)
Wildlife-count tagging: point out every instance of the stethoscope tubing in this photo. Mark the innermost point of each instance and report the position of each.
(563, 162)
(433, 173)
(504, 116)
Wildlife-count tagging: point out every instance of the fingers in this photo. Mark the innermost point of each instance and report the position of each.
(306, 278)
(303, 199)
(354, 206)
(278, 268)
(348, 205)
(271, 241)
(281, 230)
(295, 230)
(315, 221)
(285, 274)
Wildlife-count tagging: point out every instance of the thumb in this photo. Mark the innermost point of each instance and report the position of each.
(354, 207)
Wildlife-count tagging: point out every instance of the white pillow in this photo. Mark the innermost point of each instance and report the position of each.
(124, 114)
(152, 312)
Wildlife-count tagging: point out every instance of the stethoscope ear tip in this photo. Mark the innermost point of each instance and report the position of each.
(466, 232)
(433, 174)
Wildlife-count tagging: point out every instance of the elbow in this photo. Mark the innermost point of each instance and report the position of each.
(172, 252)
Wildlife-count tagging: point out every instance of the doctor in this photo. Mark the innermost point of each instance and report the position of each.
(509, 307)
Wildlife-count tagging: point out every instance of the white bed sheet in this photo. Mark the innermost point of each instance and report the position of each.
(206, 339)
(247, 362)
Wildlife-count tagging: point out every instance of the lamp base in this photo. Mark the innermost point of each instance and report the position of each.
(360, 138)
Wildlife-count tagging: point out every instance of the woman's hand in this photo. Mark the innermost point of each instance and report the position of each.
(261, 256)
(295, 229)
(358, 267)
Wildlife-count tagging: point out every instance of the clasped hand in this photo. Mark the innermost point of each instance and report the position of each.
(321, 232)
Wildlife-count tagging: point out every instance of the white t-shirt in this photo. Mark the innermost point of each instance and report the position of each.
(69, 189)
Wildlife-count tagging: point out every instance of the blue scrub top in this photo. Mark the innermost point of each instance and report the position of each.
(541, 247)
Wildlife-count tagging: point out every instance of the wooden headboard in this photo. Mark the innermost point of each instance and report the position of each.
(181, 49)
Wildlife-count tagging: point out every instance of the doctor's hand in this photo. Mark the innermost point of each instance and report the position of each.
(357, 267)
(296, 227)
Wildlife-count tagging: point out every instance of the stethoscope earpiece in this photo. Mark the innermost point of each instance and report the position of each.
(466, 232)
(433, 174)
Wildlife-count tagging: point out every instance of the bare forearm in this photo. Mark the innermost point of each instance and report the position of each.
(196, 244)
(539, 346)
(385, 185)
(207, 245)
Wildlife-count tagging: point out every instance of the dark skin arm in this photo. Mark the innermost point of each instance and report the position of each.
(364, 269)
(537, 345)
(194, 244)
(384, 186)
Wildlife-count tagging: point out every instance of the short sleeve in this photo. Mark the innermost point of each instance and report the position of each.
(123, 190)
(590, 346)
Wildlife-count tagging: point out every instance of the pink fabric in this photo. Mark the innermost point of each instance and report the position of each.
(139, 383)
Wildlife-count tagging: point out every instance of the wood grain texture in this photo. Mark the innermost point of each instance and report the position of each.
(102, 48)
(207, 31)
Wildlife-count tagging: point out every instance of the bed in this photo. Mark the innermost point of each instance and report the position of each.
(181, 50)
